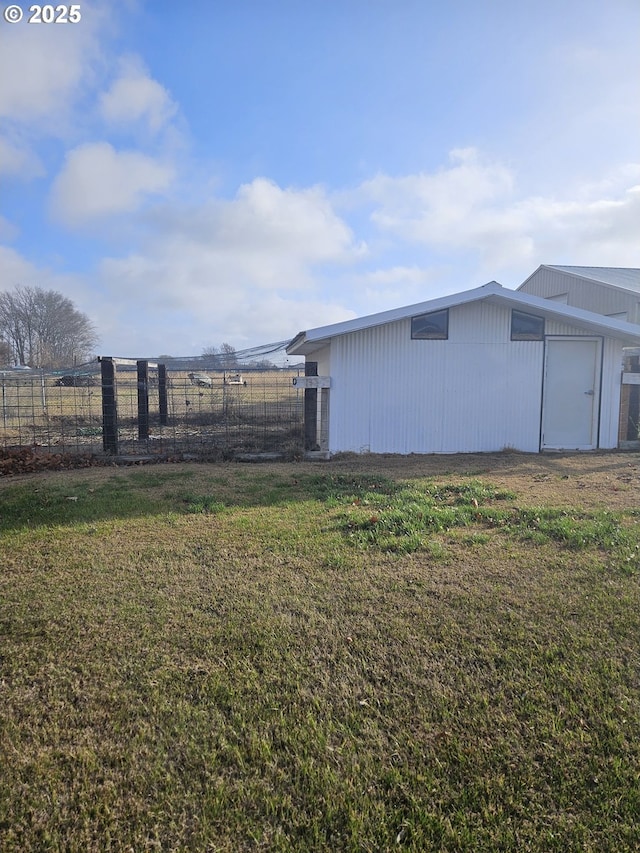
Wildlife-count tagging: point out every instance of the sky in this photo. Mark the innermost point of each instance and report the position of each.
(192, 172)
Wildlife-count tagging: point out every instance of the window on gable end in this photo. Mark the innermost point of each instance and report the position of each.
(430, 327)
(526, 327)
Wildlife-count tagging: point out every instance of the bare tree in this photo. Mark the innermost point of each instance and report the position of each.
(5, 354)
(228, 356)
(211, 356)
(224, 357)
(44, 329)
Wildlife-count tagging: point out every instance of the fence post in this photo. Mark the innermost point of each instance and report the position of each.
(163, 403)
(109, 406)
(143, 399)
(311, 409)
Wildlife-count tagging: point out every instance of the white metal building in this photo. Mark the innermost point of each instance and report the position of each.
(482, 370)
(613, 291)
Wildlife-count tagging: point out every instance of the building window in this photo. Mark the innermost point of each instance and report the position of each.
(526, 327)
(430, 327)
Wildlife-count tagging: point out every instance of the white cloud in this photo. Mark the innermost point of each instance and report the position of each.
(399, 275)
(473, 206)
(98, 181)
(44, 69)
(440, 200)
(266, 237)
(433, 206)
(136, 97)
(242, 271)
(601, 231)
(389, 287)
(301, 223)
(184, 299)
(15, 269)
(18, 162)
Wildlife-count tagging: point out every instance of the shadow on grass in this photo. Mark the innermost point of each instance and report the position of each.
(135, 494)
(372, 511)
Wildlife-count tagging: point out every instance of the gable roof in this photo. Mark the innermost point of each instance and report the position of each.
(622, 278)
(311, 340)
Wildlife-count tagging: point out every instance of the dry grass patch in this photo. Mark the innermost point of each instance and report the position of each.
(206, 659)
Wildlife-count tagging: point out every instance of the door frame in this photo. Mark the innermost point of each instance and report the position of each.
(597, 395)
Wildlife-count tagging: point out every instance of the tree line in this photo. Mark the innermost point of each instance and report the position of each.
(226, 356)
(42, 328)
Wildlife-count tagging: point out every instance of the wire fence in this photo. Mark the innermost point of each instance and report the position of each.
(193, 407)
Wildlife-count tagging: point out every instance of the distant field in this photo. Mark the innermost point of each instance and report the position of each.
(376, 653)
(38, 410)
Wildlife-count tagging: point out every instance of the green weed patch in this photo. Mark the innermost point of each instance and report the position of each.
(406, 518)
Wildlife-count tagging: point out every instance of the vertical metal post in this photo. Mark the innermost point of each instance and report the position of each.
(633, 416)
(143, 399)
(163, 402)
(324, 419)
(109, 406)
(44, 392)
(311, 409)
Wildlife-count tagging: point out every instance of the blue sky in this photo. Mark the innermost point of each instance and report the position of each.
(196, 172)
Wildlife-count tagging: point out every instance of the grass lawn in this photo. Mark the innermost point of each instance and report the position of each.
(365, 655)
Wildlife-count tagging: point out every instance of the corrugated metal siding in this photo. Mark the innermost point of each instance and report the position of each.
(557, 327)
(323, 358)
(582, 293)
(610, 394)
(478, 391)
(627, 277)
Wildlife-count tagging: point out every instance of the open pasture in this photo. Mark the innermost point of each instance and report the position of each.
(263, 412)
(375, 653)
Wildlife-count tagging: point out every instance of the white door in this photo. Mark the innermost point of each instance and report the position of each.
(571, 395)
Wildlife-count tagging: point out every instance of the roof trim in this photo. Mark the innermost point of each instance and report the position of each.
(309, 341)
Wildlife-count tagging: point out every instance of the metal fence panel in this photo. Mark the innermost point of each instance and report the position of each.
(207, 412)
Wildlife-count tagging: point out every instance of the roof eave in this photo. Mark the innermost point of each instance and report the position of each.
(301, 345)
(595, 323)
(323, 334)
(557, 268)
(293, 347)
(311, 340)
